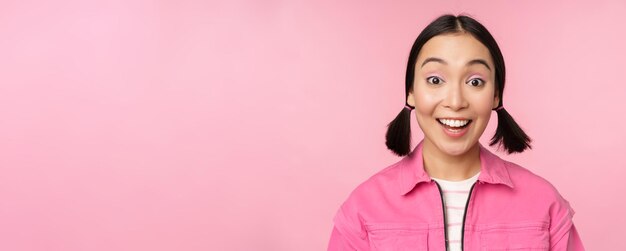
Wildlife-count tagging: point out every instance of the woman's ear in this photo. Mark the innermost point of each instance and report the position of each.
(410, 100)
(496, 101)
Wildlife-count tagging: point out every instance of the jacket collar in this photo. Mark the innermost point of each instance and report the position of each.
(492, 169)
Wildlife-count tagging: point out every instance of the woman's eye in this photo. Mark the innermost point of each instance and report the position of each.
(434, 80)
(476, 82)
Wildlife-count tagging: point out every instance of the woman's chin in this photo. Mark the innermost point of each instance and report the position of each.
(455, 152)
(455, 149)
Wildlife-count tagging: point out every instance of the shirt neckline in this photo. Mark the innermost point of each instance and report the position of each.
(458, 182)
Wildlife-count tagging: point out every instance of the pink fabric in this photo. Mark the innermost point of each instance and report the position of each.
(400, 208)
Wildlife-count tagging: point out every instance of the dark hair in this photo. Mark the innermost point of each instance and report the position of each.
(508, 133)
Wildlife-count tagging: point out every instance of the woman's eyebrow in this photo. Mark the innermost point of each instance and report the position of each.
(471, 62)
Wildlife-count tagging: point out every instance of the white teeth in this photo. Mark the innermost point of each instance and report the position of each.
(454, 122)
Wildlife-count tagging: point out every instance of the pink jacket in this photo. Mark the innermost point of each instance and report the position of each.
(509, 208)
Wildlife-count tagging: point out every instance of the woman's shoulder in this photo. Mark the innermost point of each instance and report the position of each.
(382, 184)
(381, 181)
(526, 181)
(525, 177)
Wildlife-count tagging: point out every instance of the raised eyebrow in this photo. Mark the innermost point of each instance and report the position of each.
(471, 62)
(433, 59)
(479, 61)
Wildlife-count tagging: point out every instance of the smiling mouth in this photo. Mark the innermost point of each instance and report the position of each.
(454, 124)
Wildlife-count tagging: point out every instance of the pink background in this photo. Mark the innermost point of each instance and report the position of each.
(233, 125)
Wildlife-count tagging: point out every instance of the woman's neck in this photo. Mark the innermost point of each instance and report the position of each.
(440, 165)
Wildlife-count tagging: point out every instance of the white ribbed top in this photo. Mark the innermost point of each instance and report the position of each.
(455, 195)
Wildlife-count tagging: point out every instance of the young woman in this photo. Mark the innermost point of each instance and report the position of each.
(450, 192)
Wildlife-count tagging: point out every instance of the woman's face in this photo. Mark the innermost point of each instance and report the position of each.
(453, 84)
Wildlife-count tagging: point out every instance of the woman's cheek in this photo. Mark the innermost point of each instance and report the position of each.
(426, 99)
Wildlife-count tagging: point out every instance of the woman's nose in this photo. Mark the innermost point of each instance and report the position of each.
(454, 98)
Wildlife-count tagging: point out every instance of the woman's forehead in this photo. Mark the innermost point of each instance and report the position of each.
(454, 49)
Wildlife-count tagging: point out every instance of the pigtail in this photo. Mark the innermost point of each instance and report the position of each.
(398, 137)
(509, 134)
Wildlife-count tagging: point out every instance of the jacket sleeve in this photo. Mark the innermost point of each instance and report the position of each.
(338, 242)
(570, 242)
(348, 232)
(563, 233)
